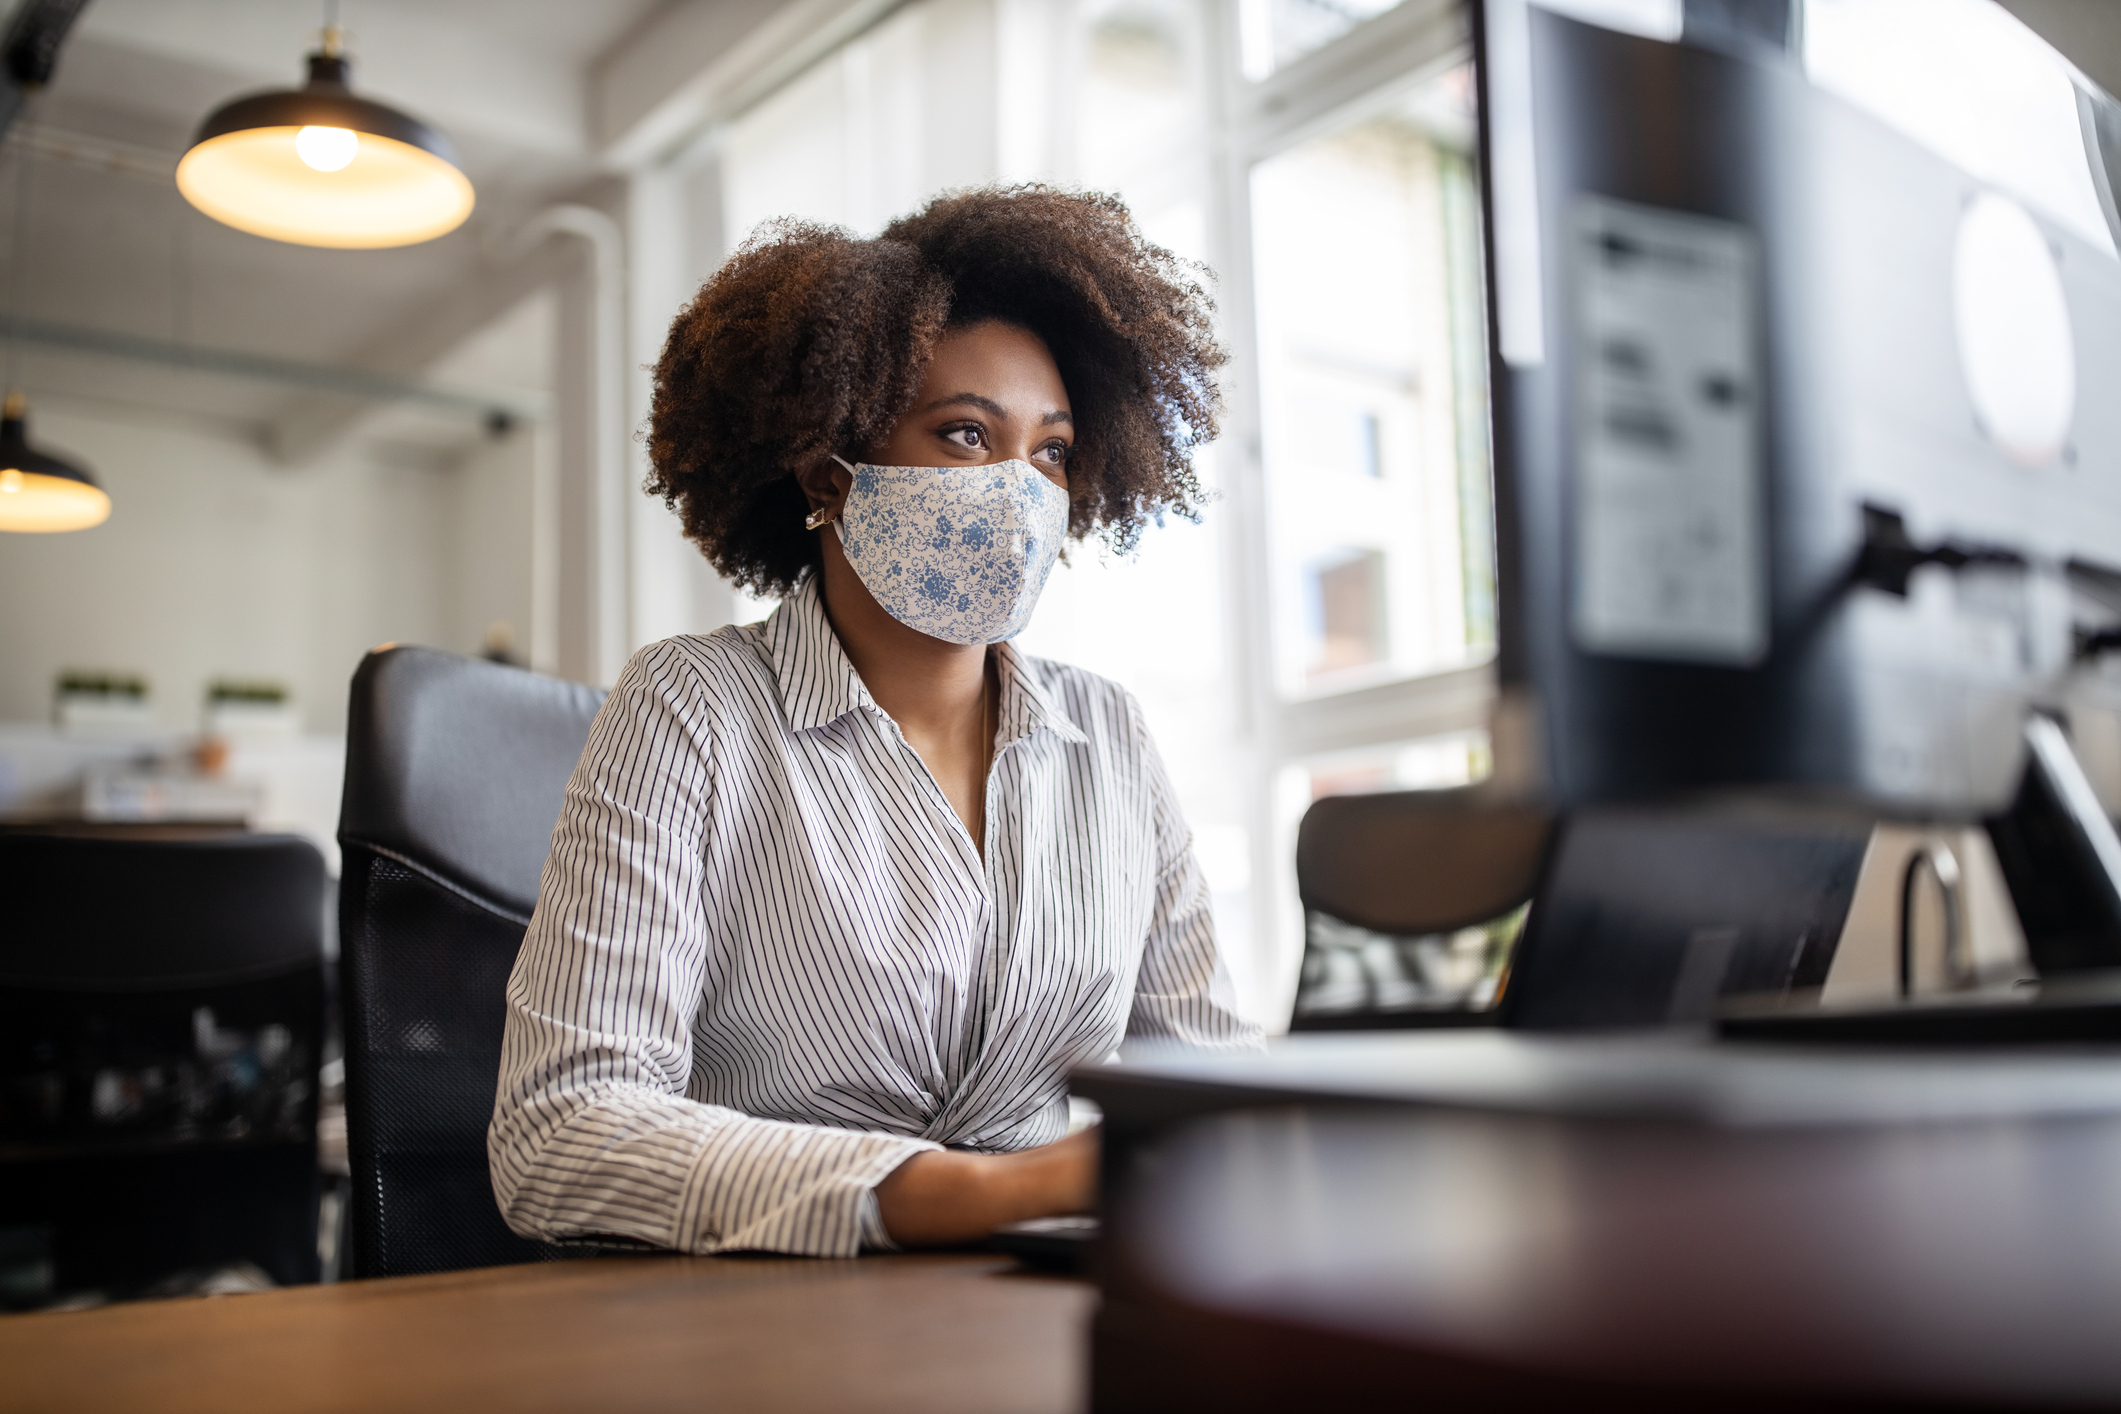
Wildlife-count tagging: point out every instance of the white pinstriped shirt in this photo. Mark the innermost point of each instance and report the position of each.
(768, 965)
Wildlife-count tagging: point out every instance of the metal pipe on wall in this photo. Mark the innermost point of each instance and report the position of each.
(590, 415)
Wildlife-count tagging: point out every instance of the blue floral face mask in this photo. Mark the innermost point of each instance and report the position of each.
(958, 552)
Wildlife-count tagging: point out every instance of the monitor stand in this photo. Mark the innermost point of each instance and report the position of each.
(2061, 859)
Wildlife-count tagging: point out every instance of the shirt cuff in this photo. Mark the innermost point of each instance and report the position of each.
(771, 1186)
(874, 1237)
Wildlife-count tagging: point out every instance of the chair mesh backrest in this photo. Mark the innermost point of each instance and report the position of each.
(424, 974)
(455, 770)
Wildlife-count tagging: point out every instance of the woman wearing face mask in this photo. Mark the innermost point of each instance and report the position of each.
(838, 899)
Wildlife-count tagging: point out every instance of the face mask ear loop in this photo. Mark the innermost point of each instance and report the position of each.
(835, 523)
(838, 535)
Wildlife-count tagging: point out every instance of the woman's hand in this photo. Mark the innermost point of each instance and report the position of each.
(943, 1196)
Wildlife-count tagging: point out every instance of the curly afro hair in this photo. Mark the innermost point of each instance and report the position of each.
(811, 342)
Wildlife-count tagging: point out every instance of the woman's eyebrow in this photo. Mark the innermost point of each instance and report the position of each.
(984, 404)
(989, 405)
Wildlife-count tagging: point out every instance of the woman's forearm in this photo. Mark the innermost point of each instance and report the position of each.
(940, 1197)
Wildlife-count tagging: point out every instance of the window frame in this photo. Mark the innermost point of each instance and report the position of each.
(1366, 70)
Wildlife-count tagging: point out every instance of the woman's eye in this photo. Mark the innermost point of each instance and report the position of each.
(970, 438)
(1055, 452)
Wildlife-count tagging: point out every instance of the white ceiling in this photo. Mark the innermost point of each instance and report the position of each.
(119, 251)
(514, 83)
(506, 74)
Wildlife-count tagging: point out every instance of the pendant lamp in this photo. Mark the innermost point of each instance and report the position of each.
(318, 166)
(38, 491)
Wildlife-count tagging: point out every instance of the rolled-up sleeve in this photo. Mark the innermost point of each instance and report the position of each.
(1184, 992)
(592, 1133)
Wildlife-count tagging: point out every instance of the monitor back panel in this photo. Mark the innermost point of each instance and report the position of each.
(1746, 335)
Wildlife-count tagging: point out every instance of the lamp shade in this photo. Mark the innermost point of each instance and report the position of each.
(42, 493)
(318, 166)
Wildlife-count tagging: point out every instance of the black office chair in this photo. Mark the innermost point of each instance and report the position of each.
(1385, 879)
(161, 1020)
(455, 768)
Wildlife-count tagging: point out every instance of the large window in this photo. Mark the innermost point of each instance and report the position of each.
(1376, 467)
(1355, 283)
(1326, 626)
(1276, 33)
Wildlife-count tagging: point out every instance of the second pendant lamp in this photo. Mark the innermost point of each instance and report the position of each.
(38, 491)
(318, 166)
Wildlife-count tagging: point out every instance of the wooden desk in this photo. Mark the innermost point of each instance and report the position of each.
(1520, 1222)
(930, 1333)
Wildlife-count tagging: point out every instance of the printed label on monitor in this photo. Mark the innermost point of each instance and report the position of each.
(1670, 534)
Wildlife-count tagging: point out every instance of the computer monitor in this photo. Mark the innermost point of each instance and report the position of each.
(1806, 326)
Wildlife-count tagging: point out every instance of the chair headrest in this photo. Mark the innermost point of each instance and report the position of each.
(1423, 861)
(460, 765)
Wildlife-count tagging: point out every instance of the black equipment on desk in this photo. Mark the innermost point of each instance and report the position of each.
(1804, 489)
(161, 1024)
(455, 768)
(1649, 917)
(1762, 522)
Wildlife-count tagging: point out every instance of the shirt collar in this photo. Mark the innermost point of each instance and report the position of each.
(1026, 705)
(819, 684)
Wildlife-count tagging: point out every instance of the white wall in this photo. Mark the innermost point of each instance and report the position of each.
(493, 549)
(216, 563)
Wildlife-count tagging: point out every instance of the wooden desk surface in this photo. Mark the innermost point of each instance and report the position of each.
(1309, 1258)
(927, 1332)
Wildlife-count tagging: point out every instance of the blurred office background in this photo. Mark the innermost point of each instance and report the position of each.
(311, 451)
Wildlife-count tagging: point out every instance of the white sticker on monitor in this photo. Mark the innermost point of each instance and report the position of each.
(1670, 535)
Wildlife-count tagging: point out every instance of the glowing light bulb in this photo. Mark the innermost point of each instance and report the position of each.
(327, 149)
(10, 481)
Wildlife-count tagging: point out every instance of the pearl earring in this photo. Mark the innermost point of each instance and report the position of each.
(816, 518)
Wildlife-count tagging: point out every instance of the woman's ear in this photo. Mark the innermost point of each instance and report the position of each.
(825, 485)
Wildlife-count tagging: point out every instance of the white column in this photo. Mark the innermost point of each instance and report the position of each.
(671, 587)
(589, 407)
